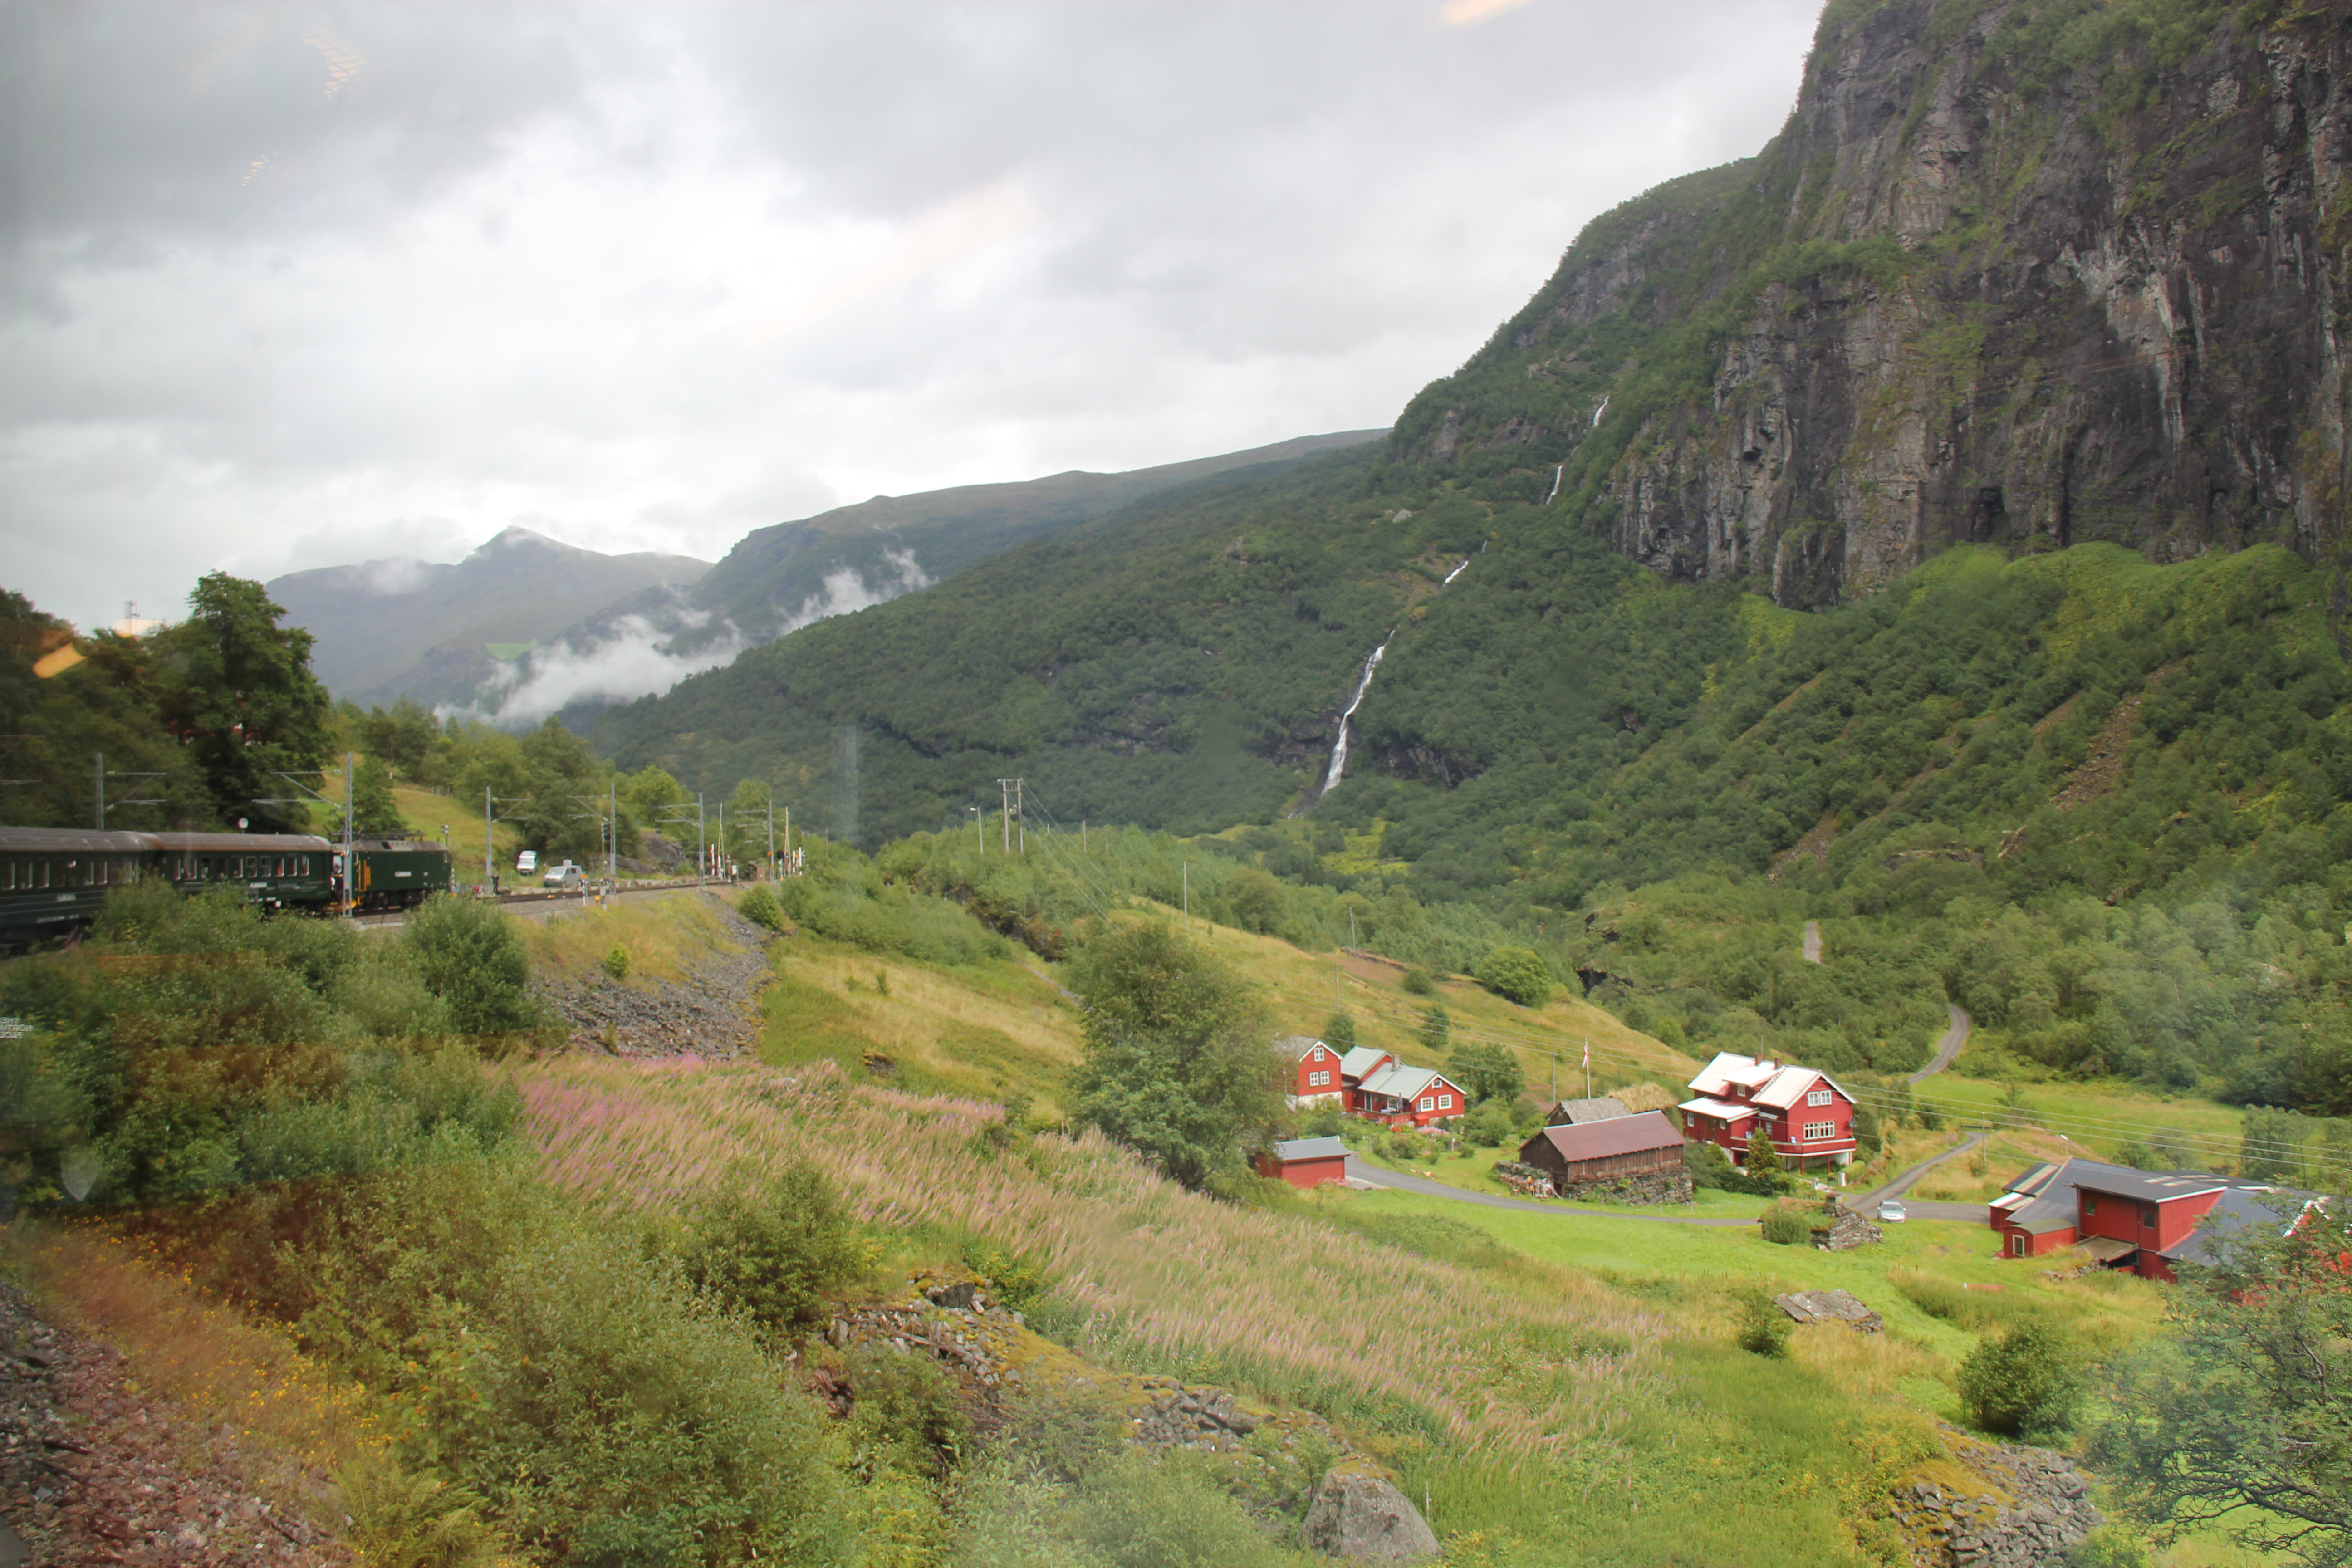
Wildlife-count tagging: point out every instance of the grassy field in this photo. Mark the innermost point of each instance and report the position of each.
(1304, 989)
(2100, 1116)
(665, 935)
(986, 1030)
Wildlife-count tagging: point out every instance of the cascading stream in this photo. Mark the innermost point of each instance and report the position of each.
(1339, 745)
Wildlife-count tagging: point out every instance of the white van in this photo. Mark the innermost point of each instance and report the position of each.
(563, 874)
(527, 862)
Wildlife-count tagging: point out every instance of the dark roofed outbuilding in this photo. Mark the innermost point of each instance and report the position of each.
(1617, 1149)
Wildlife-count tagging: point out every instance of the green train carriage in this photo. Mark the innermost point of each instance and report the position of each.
(277, 870)
(397, 873)
(54, 880)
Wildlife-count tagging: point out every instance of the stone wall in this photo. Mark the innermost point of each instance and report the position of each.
(2014, 1507)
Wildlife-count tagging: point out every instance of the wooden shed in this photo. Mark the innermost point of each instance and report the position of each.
(1615, 1147)
(1305, 1162)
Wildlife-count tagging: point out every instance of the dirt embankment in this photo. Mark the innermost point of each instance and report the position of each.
(94, 1469)
(711, 1009)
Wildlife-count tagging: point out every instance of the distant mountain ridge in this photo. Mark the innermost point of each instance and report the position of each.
(419, 628)
(526, 626)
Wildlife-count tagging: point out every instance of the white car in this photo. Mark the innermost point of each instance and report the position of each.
(527, 862)
(1891, 1209)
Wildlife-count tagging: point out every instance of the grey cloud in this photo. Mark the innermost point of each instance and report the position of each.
(639, 275)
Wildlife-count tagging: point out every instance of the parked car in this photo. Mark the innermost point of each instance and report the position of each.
(563, 874)
(527, 862)
(1891, 1209)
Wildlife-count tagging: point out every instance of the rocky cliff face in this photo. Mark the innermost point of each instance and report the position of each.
(2027, 273)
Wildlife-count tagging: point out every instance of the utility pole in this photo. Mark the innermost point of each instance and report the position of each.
(97, 762)
(978, 834)
(1082, 836)
(1021, 813)
(613, 805)
(1004, 817)
(1188, 894)
(771, 837)
(701, 845)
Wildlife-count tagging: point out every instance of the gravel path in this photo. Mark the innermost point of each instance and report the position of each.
(1945, 1048)
(94, 1470)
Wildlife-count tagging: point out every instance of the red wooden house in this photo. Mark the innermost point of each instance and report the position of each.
(1368, 1083)
(1808, 1117)
(1315, 1072)
(2143, 1221)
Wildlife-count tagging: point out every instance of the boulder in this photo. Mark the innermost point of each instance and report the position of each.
(1365, 1520)
(956, 1294)
(1829, 1306)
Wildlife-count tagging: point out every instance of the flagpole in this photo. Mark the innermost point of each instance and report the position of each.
(1588, 1069)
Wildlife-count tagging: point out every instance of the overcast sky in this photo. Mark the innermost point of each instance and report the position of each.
(287, 285)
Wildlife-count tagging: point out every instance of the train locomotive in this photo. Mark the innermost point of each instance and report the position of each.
(54, 880)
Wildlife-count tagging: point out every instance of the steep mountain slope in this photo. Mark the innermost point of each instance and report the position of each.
(2018, 272)
(422, 630)
(777, 577)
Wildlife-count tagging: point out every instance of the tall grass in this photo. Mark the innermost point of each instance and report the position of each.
(1255, 1296)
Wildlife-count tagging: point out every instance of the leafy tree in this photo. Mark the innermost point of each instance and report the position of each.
(374, 811)
(644, 794)
(64, 699)
(408, 739)
(2267, 1149)
(237, 688)
(469, 955)
(1517, 973)
(2238, 1418)
(1257, 901)
(1340, 1030)
(1436, 1030)
(1762, 1157)
(747, 822)
(1489, 1072)
(1179, 1062)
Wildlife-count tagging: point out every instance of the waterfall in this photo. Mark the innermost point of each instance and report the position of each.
(1449, 578)
(1356, 701)
(1556, 473)
(1599, 411)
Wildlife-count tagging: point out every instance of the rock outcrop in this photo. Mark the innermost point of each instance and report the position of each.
(2015, 1507)
(1363, 1519)
(1990, 284)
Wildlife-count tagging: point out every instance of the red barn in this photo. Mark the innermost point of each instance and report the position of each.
(2143, 1221)
(1808, 1117)
(1305, 1162)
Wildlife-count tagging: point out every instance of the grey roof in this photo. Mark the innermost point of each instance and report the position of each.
(1292, 1149)
(2233, 1212)
(1577, 1112)
(1607, 1139)
(2051, 1189)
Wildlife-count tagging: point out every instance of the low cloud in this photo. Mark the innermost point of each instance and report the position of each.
(632, 656)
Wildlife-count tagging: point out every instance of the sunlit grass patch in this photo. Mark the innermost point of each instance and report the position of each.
(663, 935)
(295, 1422)
(990, 1030)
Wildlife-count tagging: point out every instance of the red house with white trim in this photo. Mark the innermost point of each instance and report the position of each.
(1369, 1083)
(1808, 1117)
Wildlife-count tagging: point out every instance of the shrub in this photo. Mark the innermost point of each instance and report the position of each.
(2022, 1380)
(759, 907)
(403, 1520)
(1490, 1074)
(1323, 1121)
(1341, 1031)
(616, 962)
(1065, 1433)
(1168, 1513)
(1417, 983)
(1787, 1228)
(1517, 973)
(773, 1254)
(904, 1408)
(1763, 1328)
(1017, 1279)
(470, 955)
(1490, 1126)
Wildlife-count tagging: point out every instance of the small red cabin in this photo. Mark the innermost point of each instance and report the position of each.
(1305, 1162)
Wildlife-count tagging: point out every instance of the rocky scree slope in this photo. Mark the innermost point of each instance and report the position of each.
(2025, 274)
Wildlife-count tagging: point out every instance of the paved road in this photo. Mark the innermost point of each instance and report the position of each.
(1812, 942)
(1424, 1185)
(1945, 1048)
(1903, 1181)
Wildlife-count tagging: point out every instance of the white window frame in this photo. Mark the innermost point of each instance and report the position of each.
(1816, 1131)
(1820, 1097)
(1318, 1053)
(1425, 1104)
(1445, 1102)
